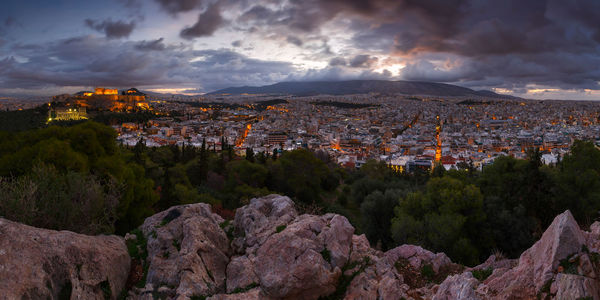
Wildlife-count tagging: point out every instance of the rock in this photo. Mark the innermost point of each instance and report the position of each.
(383, 280)
(494, 263)
(255, 222)
(187, 250)
(418, 257)
(538, 264)
(362, 249)
(459, 287)
(240, 274)
(253, 294)
(46, 264)
(303, 261)
(572, 286)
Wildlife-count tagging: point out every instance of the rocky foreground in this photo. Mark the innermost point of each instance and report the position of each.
(270, 252)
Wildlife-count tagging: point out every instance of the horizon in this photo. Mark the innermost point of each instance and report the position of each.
(540, 50)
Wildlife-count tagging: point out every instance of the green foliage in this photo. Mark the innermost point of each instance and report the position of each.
(444, 218)
(301, 175)
(326, 254)
(427, 272)
(63, 201)
(280, 228)
(569, 264)
(27, 119)
(345, 279)
(245, 289)
(482, 274)
(176, 244)
(377, 216)
(66, 291)
(106, 291)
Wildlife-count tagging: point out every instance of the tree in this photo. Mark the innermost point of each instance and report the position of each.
(299, 174)
(578, 182)
(377, 216)
(249, 154)
(447, 217)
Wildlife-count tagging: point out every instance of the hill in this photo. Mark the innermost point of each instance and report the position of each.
(310, 88)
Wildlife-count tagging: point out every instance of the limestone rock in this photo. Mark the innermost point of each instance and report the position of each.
(255, 222)
(576, 287)
(187, 250)
(538, 264)
(303, 260)
(458, 287)
(240, 274)
(39, 263)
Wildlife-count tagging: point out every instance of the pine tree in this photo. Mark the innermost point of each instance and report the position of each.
(249, 154)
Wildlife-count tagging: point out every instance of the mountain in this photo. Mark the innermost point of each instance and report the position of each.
(310, 88)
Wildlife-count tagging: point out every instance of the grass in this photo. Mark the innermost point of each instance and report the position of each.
(65, 291)
(568, 266)
(545, 289)
(177, 245)
(106, 291)
(482, 274)
(280, 228)
(245, 289)
(228, 229)
(138, 251)
(427, 272)
(326, 255)
(171, 215)
(345, 280)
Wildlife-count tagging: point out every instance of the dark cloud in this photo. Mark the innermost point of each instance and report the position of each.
(337, 61)
(208, 22)
(95, 61)
(362, 61)
(177, 6)
(237, 43)
(154, 45)
(112, 30)
(294, 40)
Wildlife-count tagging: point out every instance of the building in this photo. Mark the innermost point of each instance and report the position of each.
(66, 113)
(276, 138)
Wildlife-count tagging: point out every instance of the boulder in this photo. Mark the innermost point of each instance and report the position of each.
(46, 264)
(187, 250)
(538, 264)
(570, 286)
(458, 287)
(304, 260)
(255, 222)
(240, 274)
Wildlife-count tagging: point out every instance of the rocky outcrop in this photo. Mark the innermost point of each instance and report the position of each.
(46, 264)
(269, 251)
(188, 252)
(291, 256)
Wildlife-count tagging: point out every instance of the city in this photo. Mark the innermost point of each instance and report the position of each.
(300, 150)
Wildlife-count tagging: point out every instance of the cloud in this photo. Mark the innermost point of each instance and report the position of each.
(177, 6)
(362, 61)
(237, 43)
(337, 61)
(294, 40)
(154, 45)
(208, 22)
(112, 30)
(94, 61)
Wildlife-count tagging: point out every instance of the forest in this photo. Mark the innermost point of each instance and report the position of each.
(78, 178)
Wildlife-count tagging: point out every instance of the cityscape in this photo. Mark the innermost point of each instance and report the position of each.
(300, 150)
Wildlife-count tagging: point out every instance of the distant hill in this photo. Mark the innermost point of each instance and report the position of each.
(360, 87)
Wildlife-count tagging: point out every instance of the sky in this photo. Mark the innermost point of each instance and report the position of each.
(540, 49)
